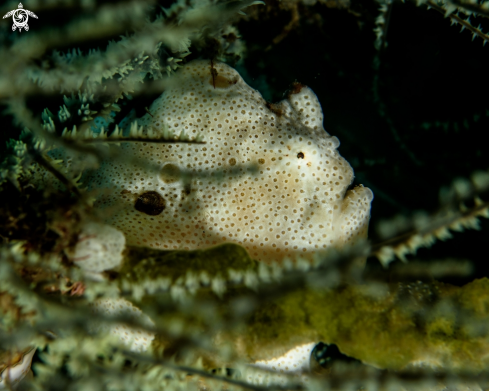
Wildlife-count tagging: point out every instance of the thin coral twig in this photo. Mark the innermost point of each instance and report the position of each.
(464, 23)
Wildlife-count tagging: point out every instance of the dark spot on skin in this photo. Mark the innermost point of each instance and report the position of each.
(232, 161)
(274, 108)
(187, 189)
(300, 155)
(214, 76)
(220, 81)
(261, 161)
(295, 88)
(151, 203)
(126, 191)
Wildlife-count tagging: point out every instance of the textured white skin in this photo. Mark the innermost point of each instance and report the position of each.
(99, 248)
(296, 361)
(18, 371)
(248, 184)
(138, 340)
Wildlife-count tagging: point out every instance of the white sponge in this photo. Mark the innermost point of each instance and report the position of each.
(99, 248)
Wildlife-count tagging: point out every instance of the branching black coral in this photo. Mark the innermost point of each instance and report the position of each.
(79, 85)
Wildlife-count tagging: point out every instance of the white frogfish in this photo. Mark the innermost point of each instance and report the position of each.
(268, 177)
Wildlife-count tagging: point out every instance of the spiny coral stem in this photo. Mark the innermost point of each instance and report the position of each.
(138, 140)
(48, 166)
(17, 107)
(464, 23)
(382, 23)
(410, 242)
(195, 371)
(481, 9)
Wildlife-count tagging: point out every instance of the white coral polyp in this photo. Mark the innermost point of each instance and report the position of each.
(99, 248)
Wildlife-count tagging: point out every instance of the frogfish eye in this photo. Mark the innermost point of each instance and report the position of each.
(300, 155)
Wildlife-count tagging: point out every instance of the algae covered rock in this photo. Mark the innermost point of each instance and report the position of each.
(389, 326)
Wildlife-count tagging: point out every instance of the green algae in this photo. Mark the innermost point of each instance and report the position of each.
(143, 263)
(388, 330)
(391, 326)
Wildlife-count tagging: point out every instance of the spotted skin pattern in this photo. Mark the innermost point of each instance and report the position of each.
(268, 177)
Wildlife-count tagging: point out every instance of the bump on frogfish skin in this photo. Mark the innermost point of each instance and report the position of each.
(274, 183)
